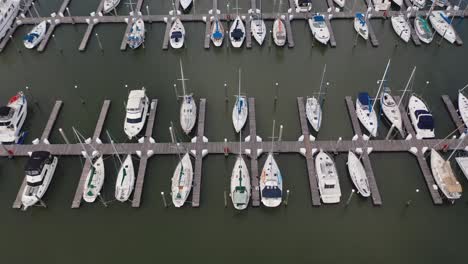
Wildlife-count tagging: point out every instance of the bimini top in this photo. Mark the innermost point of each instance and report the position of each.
(36, 161)
(271, 192)
(176, 35)
(6, 112)
(319, 18)
(361, 18)
(364, 98)
(31, 37)
(237, 34)
(426, 122)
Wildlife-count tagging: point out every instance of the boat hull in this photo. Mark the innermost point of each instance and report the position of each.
(392, 112)
(444, 177)
(240, 113)
(137, 34)
(358, 175)
(125, 180)
(416, 104)
(178, 28)
(32, 195)
(110, 5)
(217, 27)
(439, 22)
(320, 33)
(94, 181)
(314, 113)
(327, 177)
(367, 117)
(182, 181)
(463, 107)
(188, 114)
(271, 183)
(401, 27)
(237, 24)
(40, 30)
(361, 28)
(279, 33)
(258, 28)
(240, 181)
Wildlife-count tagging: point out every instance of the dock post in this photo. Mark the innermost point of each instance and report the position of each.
(148, 12)
(56, 43)
(69, 14)
(408, 203)
(280, 133)
(276, 94)
(337, 144)
(269, 39)
(225, 199)
(99, 42)
(390, 132)
(172, 134)
(355, 39)
(176, 93)
(287, 198)
(349, 197)
(14, 44)
(32, 97)
(226, 152)
(164, 199)
(226, 92)
(64, 136)
(81, 98)
(9, 152)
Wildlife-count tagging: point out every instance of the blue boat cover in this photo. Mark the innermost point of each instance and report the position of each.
(419, 112)
(239, 105)
(217, 34)
(271, 192)
(237, 34)
(319, 18)
(364, 98)
(30, 37)
(445, 18)
(176, 35)
(361, 18)
(426, 122)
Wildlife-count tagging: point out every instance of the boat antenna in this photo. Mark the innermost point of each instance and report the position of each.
(407, 86)
(463, 88)
(182, 78)
(380, 85)
(113, 146)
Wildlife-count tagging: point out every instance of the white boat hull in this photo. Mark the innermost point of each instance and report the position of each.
(367, 117)
(188, 114)
(422, 29)
(240, 113)
(340, 3)
(237, 24)
(136, 37)
(361, 28)
(37, 35)
(392, 112)
(177, 34)
(417, 104)
(125, 180)
(94, 181)
(20, 105)
(182, 181)
(217, 26)
(327, 177)
(8, 16)
(32, 195)
(401, 27)
(358, 175)
(319, 31)
(442, 27)
(279, 33)
(135, 121)
(444, 177)
(240, 185)
(463, 107)
(258, 28)
(185, 4)
(109, 5)
(314, 113)
(271, 183)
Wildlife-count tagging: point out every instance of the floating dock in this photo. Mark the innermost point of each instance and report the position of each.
(199, 148)
(254, 178)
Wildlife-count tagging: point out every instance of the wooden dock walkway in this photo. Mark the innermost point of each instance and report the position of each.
(330, 29)
(136, 201)
(53, 23)
(89, 30)
(165, 44)
(87, 166)
(199, 145)
(254, 178)
(289, 33)
(312, 174)
(454, 114)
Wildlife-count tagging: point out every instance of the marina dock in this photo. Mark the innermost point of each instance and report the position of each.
(254, 178)
(454, 114)
(199, 148)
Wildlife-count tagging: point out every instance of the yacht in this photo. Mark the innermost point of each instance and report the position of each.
(240, 113)
(401, 27)
(463, 107)
(39, 171)
(271, 183)
(137, 110)
(443, 25)
(109, 5)
(12, 118)
(217, 32)
(421, 118)
(444, 177)
(136, 37)
(358, 175)
(360, 25)
(186, 5)
(188, 108)
(319, 29)
(94, 180)
(182, 181)
(423, 30)
(314, 113)
(258, 28)
(391, 111)
(366, 113)
(237, 32)
(8, 12)
(303, 5)
(240, 184)
(35, 36)
(125, 180)
(177, 33)
(279, 32)
(327, 176)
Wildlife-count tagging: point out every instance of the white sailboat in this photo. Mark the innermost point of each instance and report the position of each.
(39, 171)
(182, 181)
(136, 37)
(188, 108)
(423, 30)
(303, 6)
(258, 27)
(463, 106)
(279, 32)
(360, 25)
(8, 12)
(35, 36)
(314, 108)
(240, 110)
(136, 112)
(401, 27)
(341, 3)
(217, 32)
(366, 113)
(94, 180)
(419, 3)
(271, 180)
(390, 108)
(358, 175)
(186, 5)
(240, 182)
(237, 32)
(327, 176)
(421, 118)
(177, 34)
(443, 25)
(444, 176)
(12, 117)
(319, 28)
(109, 5)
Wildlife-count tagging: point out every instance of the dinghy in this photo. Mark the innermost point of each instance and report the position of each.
(444, 177)
(35, 36)
(391, 111)
(279, 32)
(327, 176)
(358, 175)
(271, 183)
(240, 182)
(419, 3)
(136, 37)
(125, 180)
(360, 25)
(314, 112)
(240, 110)
(177, 34)
(423, 30)
(366, 114)
(94, 180)
(463, 107)
(303, 6)
(182, 181)
(12, 117)
(39, 170)
(188, 108)
(341, 3)
(421, 118)
(109, 5)
(136, 112)
(401, 27)
(442, 24)
(319, 29)
(217, 32)
(186, 5)
(258, 28)
(237, 33)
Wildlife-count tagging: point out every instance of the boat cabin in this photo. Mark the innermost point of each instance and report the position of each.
(364, 99)
(176, 36)
(36, 168)
(240, 196)
(135, 106)
(271, 192)
(319, 22)
(425, 120)
(6, 114)
(237, 34)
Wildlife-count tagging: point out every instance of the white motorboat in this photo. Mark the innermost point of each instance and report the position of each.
(444, 177)
(35, 36)
(463, 164)
(258, 28)
(358, 175)
(237, 32)
(136, 37)
(327, 176)
(442, 24)
(423, 30)
(177, 34)
(381, 5)
(319, 29)
(136, 112)
(39, 171)
(303, 5)
(271, 183)
(279, 32)
(125, 180)
(8, 12)
(12, 117)
(341, 3)
(421, 118)
(366, 113)
(94, 180)
(314, 112)
(463, 107)
(240, 184)
(217, 32)
(109, 5)
(419, 3)
(182, 181)
(391, 111)
(398, 2)
(188, 108)
(240, 110)
(360, 25)
(186, 5)
(401, 27)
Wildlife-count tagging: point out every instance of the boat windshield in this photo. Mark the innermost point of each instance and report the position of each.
(34, 172)
(5, 123)
(329, 186)
(134, 120)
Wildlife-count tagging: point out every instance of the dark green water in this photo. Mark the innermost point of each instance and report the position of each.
(299, 233)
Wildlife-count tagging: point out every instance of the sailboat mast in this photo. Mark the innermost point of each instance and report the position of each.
(458, 145)
(321, 81)
(113, 146)
(380, 85)
(407, 85)
(78, 136)
(182, 77)
(430, 9)
(240, 70)
(272, 136)
(463, 88)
